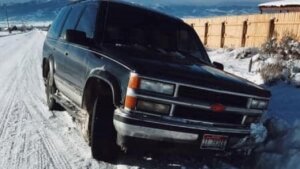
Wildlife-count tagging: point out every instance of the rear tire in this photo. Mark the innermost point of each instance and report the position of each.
(103, 134)
(50, 92)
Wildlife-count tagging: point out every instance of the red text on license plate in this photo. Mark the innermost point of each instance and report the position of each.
(214, 142)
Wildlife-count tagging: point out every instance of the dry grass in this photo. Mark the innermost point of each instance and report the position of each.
(272, 73)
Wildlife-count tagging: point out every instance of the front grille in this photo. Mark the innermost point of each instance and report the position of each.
(207, 116)
(212, 97)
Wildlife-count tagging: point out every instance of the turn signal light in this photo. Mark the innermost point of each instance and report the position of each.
(134, 81)
(130, 102)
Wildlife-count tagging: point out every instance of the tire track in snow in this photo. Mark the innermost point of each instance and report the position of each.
(29, 137)
(12, 84)
(13, 112)
(42, 114)
(58, 161)
(75, 144)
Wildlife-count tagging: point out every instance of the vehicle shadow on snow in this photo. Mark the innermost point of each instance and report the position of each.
(173, 159)
(280, 150)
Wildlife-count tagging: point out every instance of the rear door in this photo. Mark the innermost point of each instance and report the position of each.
(78, 53)
(64, 81)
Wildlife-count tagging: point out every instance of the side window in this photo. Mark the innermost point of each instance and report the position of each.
(58, 23)
(87, 21)
(72, 19)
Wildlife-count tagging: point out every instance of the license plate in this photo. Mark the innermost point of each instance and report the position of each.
(214, 142)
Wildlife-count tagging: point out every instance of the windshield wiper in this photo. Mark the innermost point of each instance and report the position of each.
(193, 57)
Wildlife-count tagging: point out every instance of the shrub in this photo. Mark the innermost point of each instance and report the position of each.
(271, 73)
(270, 47)
(278, 59)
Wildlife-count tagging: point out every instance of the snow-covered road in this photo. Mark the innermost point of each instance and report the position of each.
(31, 137)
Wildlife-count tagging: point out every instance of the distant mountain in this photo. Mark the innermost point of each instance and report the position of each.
(33, 11)
(21, 1)
(46, 10)
(186, 11)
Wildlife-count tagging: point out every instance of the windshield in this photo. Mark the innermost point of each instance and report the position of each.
(142, 28)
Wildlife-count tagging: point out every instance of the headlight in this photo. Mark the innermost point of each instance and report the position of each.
(158, 87)
(136, 83)
(148, 106)
(259, 104)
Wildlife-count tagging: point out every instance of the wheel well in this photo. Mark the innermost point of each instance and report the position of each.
(95, 87)
(45, 67)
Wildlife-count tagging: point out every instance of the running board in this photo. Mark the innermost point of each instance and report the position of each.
(72, 109)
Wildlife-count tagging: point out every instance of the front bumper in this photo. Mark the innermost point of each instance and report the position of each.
(168, 129)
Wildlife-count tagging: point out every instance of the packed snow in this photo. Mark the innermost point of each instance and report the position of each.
(33, 137)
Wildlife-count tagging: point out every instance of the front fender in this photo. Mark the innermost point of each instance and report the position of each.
(110, 79)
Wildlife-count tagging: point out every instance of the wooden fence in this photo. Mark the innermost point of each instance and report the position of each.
(245, 30)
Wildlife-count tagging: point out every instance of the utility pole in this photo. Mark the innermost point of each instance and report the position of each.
(7, 18)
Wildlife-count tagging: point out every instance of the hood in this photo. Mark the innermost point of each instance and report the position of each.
(193, 73)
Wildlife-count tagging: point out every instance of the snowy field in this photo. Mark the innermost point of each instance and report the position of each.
(3, 33)
(6, 33)
(32, 137)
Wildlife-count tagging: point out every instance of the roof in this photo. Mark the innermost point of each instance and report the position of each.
(281, 3)
(125, 3)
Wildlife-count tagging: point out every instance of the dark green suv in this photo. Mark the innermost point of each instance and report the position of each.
(128, 73)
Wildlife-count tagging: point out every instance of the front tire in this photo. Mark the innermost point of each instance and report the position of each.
(103, 134)
(50, 92)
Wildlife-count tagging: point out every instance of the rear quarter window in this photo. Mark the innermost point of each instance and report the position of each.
(57, 24)
(72, 19)
(87, 21)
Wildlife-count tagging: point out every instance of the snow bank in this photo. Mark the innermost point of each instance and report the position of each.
(236, 66)
(282, 152)
(284, 103)
(282, 148)
(280, 3)
(258, 132)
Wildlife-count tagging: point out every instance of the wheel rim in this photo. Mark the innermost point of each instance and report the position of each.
(49, 91)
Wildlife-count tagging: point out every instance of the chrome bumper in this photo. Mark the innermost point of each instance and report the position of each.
(152, 133)
(159, 129)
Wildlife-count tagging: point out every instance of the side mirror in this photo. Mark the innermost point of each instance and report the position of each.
(218, 65)
(77, 37)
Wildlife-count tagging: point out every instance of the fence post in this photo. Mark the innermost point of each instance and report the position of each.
(205, 33)
(244, 33)
(271, 28)
(222, 34)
